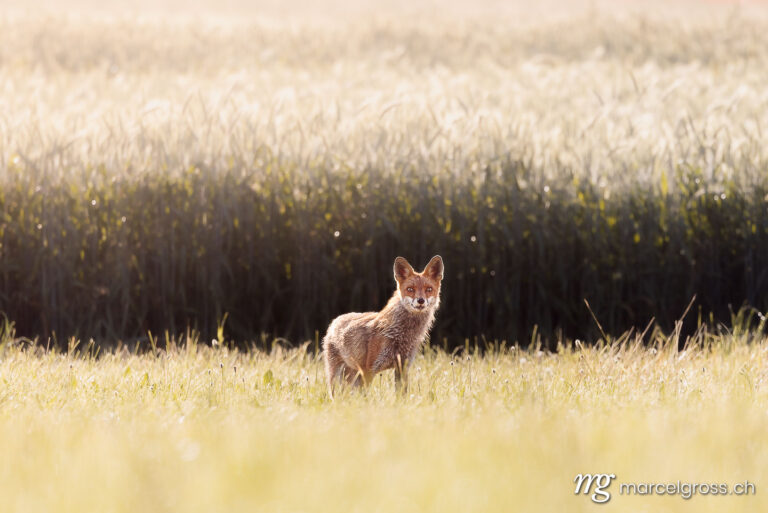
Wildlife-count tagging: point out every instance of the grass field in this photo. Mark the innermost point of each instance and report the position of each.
(212, 429)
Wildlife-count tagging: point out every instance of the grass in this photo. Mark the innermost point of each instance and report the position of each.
(196, 428)
(158, 172)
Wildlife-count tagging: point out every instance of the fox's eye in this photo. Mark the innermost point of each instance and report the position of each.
(429, 289)
(409, 289)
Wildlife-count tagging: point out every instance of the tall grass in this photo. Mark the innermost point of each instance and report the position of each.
(159, 174)
(195, 428)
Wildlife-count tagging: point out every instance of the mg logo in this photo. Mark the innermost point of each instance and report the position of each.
(600, 482)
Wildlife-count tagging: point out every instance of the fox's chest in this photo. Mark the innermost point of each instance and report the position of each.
(405, 334)
(389, 354)
(404, 340)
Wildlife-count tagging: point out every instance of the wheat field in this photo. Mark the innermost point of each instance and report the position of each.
(209, 167)
(163, 167)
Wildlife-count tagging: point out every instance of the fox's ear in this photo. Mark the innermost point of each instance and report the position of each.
(402, 269)
(434, 268)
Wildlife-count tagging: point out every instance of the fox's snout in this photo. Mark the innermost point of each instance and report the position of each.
(419, 303)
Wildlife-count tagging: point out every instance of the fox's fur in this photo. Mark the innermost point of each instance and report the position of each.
(357, 346)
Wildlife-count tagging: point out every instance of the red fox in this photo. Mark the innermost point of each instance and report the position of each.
(357, 346)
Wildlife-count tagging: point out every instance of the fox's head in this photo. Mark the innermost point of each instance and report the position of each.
(419, 292)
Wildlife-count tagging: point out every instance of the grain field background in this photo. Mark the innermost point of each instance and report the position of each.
(162, 168)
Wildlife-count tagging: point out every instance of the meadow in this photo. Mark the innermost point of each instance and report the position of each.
(201, 428)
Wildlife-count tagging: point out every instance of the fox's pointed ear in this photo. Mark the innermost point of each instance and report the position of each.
(402, 269)
(434, 268)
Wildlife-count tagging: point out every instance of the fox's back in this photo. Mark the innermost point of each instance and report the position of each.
(349, 333)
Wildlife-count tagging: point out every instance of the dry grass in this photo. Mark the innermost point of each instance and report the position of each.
(201, 429)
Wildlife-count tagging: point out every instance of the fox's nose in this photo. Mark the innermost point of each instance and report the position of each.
(420, 300)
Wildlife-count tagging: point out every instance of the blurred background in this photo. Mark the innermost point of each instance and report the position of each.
(258, 165)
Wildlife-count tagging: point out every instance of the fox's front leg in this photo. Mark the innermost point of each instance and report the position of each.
(401, 375)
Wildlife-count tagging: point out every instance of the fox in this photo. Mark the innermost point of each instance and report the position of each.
(357, 346)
